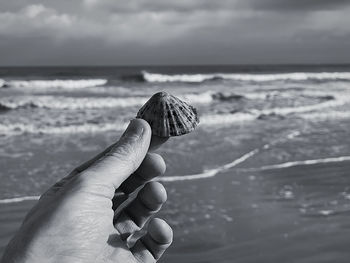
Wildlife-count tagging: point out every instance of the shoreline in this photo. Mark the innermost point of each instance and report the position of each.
(237, 213)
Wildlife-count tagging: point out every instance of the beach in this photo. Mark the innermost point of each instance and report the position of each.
(264, 178)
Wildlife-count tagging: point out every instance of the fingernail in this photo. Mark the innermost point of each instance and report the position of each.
(133, 129)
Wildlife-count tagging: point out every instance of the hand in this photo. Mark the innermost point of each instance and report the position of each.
(83, 217)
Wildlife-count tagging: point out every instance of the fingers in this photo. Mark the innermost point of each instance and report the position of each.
(134, 216)
(152, 166)
(151, 246)
(123, 158)
(118, 161)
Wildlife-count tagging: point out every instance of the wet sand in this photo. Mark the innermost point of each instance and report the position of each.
(295, 214)
(298, 214)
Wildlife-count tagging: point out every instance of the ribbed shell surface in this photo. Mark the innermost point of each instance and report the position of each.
(168, 115)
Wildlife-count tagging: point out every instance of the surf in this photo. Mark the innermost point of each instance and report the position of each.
(19, 199)
(56, 83)
(75, 103)
(301, 163)
(198, 78)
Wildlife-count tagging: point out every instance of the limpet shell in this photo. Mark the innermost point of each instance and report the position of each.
(168, 115)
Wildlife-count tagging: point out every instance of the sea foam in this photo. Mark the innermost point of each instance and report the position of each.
(211, 172)
(253, 114)
(197, 98)
(215, 171)
(329, 115)
(57, 83)
(300, 163)
(61, 102)
(20, 128)
(197, 78)
(19, 199)
(207, 120)
(73, 103)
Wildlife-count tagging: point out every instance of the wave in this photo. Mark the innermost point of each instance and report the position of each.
(211, 120)
(211, 172)
(300, 163)
(57, 83)
(20, 128)
(253, 114)
(197, 98)
(4, 107)
(261, 95)
(288, 95)
(217, 119)
(302, 109)
(197, 78)
(60, 102)
(19, 199)
(334, 115)
(73, 103)
(206, 121)
(227, 96)
(63, 102)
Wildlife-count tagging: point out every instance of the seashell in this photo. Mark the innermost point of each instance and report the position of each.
(168, 115)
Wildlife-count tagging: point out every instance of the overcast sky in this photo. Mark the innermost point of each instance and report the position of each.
(129, 32)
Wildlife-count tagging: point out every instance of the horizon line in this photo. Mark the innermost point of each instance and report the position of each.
(180, 65)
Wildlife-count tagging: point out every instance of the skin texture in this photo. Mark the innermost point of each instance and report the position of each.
(94, 214)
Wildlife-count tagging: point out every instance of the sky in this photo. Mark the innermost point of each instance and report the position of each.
(177, 32)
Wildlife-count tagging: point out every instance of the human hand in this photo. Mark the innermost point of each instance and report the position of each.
(81, 219)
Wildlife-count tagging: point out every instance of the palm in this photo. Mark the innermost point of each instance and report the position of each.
(96, 238)
(80, 219)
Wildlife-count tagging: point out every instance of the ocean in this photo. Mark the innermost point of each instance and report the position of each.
(264, 178)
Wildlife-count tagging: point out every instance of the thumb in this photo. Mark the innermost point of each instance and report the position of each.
(123, 158)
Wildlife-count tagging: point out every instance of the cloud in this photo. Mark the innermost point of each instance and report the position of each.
(33, 18)
(296, 5)
(182, 31)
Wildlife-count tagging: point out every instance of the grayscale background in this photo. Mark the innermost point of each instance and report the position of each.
(264, 178)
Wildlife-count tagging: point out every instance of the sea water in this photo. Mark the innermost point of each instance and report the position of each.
(262, 179)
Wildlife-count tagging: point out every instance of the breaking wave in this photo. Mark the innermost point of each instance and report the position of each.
(57, 102)
(217, 119)
(63, 102)
(20, 128)
(302, 109)
(253, 114)
(205, 97)
(333, 115)
(57, 83)
(208, 120)
(197, 78)
(74, 103)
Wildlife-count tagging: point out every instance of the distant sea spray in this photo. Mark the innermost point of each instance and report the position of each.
(153, 77)
(56, 83)
(198, 78)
